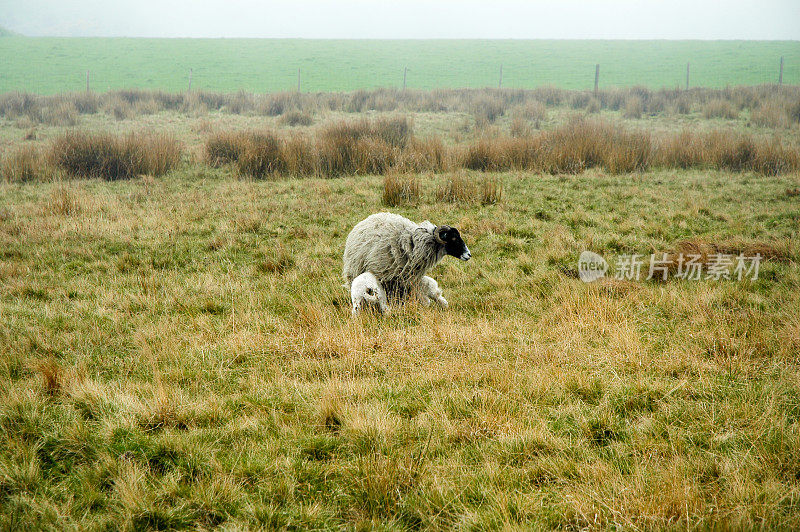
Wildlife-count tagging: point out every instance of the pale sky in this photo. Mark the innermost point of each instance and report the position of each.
(411, 19)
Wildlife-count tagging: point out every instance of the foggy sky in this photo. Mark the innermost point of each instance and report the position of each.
(500, 19)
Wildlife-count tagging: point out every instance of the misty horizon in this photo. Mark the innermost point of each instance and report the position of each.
(409, 20)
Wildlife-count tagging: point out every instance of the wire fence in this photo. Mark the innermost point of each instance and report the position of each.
(597, 76)
(51, 66)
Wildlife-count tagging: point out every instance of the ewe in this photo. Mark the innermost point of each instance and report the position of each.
(399, 252)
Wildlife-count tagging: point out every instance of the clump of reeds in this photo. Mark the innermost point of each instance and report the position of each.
(399, 189)
(23, 164)
(260, 156)
(719, 108)
(114, 157)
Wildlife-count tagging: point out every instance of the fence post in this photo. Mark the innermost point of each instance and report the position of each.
(405, 73)
(780, 75)
(687, 76)
(190, 79)
(500, 83)
(298, 79)
(87, 81)
(596, 78)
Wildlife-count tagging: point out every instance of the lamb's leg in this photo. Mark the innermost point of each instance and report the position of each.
(432, 291)
(421, 291)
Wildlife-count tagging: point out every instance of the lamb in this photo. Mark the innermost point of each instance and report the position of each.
(366, 291)
(398, 251)
(429, 291)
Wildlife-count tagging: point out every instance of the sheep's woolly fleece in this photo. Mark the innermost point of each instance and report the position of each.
(396, 250)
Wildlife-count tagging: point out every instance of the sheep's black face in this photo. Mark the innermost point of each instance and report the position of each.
(453, 245)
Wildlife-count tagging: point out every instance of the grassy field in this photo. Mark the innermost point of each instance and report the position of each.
(177, 351)
(54, 65)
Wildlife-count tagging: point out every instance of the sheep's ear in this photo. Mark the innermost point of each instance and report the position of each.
(440, 233)
(428, 226)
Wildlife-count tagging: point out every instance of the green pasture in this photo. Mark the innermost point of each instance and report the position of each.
(53, 65)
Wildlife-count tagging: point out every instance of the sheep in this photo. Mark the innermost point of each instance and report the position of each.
(398, 251)
(366, 291)
(429, 291)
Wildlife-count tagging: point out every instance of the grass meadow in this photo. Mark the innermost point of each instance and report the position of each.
(177, 351)
(48, 65)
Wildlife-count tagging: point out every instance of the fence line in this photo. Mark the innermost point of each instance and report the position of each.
(763, 73)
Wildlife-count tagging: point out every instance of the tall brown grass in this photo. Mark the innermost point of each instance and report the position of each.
(571, 148)
(719, 108)
(112, 157)
(633, 107)
(399, 189)
(25, 163)
(361, 146)
(770, 114)
(586, 143)
(384, 145)
(461, 187)
(260, 156)
(224, 147)
(297, 118)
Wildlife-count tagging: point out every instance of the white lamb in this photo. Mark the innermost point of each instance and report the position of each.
(429, 291)
(366, 291)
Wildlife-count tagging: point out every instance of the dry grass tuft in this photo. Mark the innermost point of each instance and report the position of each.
(430, 155)
(634, 107)
(300, 156)
(113, 157)
(278, 260)
(459, 187)
(63, 201)
(491, 190)
(400, 189)
(362, 146)
(684, 150)
(519, 127)
(53, 378)
(532, 110)
(25, 163)
(719, 108)
(770, 115)
(260, 155)
(224, 147)
(488, 108)
(330, 414)
(706, 249)
(296, 118)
